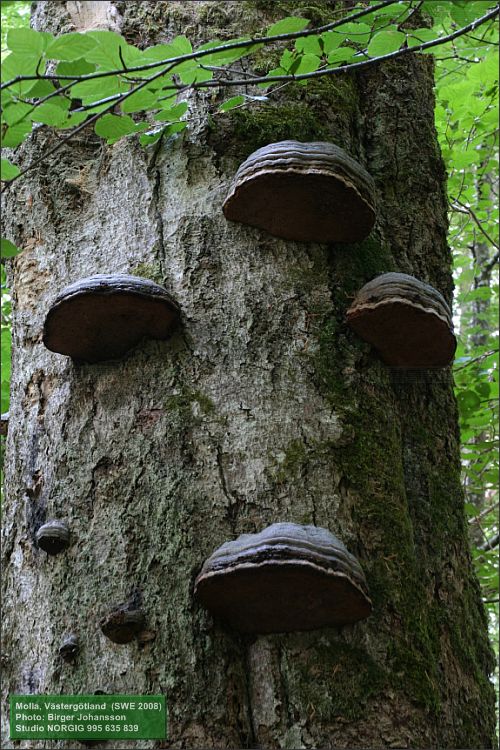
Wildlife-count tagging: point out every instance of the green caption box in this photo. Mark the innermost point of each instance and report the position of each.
(88, 717)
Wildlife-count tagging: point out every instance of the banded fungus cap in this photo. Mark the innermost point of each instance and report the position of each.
(53, 537)
(123, 623)
(285, 578)
(310, 192)
(406, 320)
(101, 317)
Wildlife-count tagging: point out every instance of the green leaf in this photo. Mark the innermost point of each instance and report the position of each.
(74, 119)
(192, 74)
(305, 64)
(341, 55)
(225, 57)
(28, 41)
(8, 170)
(78, 67)
(310, 45)
(106, 51)
(468, 402)
(419, 36)
(70, 47)
(19, 65)
(331, 41)
(288, 25)
(172, 113)
(385, 42)
(143, 99)
(8, 249)
(152, 137)
(15, 134)
(234, 101)
(113, 127)
(50, 114)
(356, 32)
(465, 13)
(41, 88)
(16, 112)
(94, 90)
(182, 45)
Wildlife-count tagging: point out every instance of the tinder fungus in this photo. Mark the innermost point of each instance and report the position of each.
(123, 623)
(285, 578)
(311, 192)
(53, 537)
(68, 650)
(406, 320)
(103, 316)
(4, 423)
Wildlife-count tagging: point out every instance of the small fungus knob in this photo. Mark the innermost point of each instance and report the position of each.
(68, 650)
(53, 537)
(123, 623)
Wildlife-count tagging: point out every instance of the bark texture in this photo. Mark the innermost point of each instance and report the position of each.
(263, 407)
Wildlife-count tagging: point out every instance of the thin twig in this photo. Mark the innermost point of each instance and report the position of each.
(476, 359)
(474, 217)
(483, 513)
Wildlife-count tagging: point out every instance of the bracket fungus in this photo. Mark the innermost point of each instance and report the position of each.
(103, 316)
(53, 537)
(68, 650)
(123, 623)
(309, 192)
(4, 423)
(285, 578)
(406, 320)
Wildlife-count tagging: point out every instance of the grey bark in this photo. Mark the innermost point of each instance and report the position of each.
(264, 407)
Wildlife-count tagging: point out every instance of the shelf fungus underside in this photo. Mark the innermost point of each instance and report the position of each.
(285, 578)
(122, 624)
(309, 192)
(103, 316)
(406, 320)
(53, 537)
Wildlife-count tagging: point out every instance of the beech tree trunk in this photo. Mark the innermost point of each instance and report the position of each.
(263, 407)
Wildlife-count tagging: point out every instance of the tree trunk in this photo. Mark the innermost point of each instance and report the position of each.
(264, 407)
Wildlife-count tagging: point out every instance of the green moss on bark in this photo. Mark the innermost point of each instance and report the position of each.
(335, 680)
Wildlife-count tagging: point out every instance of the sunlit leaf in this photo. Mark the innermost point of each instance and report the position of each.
(288, 25)
(113, 127)
(8, 171)
(8, 249)
(234, 101)
(386, 42)
(70, 47)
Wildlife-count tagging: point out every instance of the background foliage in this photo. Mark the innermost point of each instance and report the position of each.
(146, 102)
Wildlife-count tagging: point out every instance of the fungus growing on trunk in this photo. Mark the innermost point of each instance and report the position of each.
(53, 537)
(123, 623)
(407, 321)
(68, 650)
(310, 192)
(285, 578)
(103, 316)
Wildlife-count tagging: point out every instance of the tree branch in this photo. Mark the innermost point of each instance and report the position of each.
(172, 62)
(473, 216)
(220, 48)
(490, 544)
